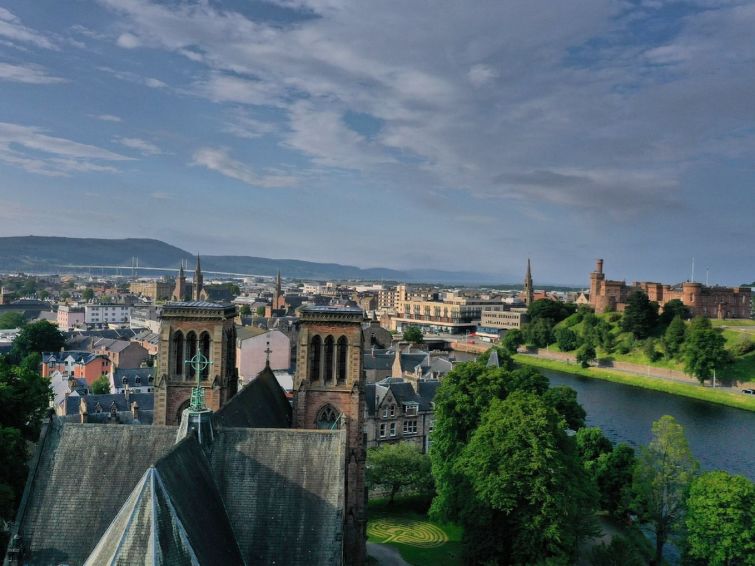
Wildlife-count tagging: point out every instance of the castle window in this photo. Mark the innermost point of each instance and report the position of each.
(343, 347)
(327, 418)
(178, 351)
(314, 358)
(191, 351)
(204, 347)
(329, 359)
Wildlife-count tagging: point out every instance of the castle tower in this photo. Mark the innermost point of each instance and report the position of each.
(528, 291)
(180, 289)
(185, 330)
(196, 290)
(329, 393)
(596, 285)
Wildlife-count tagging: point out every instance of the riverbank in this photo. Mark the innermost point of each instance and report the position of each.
(693, 391)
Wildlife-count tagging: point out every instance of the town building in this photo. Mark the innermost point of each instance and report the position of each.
(256, 347)
(132, 380)
(102, 314)
(154, 289)
(70, 317)
(701, 300)
(494, 322)
(121, 353)
(85, 365)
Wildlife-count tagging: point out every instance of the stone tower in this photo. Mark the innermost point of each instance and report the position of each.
(196, 289)
(597, 278)
(185, 329)
(528, 291)
(178, 292)
(277, 293)
(329, 393)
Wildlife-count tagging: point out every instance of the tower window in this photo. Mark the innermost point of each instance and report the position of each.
(343, 346)
(191, 350)
(178, 351)
(204, 346)
(314, 358)
(327, 418)
(329, 347)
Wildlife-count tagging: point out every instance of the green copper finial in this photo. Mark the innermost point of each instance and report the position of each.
(198, 363)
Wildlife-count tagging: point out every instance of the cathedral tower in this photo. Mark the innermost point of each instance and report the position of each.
(185, 330)
(178, 292)
(196, 290)
(528, 291)
(329, 394)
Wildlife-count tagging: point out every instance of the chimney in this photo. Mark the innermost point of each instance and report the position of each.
(83, 411)
(599, 266)
(135, 410)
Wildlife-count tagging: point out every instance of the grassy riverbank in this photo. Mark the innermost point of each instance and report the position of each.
(692, 390)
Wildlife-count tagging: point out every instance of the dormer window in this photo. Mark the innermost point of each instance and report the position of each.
(124, 380)
(138, 380)
(410, 409)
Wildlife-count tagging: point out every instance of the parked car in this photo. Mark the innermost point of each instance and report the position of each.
(748, 391)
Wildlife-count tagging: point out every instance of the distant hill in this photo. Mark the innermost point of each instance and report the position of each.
(56, 254)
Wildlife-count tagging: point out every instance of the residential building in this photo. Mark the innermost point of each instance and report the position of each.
(155, 289)
(86, 365)
(70, 317)
(133, 380)
(102, 314)
(108, 408)
(122, 353)
(256, 347)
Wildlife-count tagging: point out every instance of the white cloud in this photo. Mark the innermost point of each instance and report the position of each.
(480, 74)
(106, 117)
(128, 41)
(218, 160)
(12, 29)
(21, 145)
(29, 74)
(154, 83)
(242, 125)
(140, 145)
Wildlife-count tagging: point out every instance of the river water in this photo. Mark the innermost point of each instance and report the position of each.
(722, 438)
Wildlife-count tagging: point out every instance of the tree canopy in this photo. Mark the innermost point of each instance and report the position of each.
(413, 334)
(399, 467)
(512, 339)
(704, 350)
(37, 337)
(11, 319)
(721, 520)
(640, 314)
(555, 311)
(101, 385)
(671, 310)
(673, 338)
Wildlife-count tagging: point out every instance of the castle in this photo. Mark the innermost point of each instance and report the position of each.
(701, 300)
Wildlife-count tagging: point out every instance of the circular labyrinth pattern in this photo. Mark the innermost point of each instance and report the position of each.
(406, 531)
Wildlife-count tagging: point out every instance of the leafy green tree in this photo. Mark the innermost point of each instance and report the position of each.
(704, 350)
(512, 340)
(88, 294)
(65, 295)
(673, 338)
(591, 444)
(523, 471)
(13, 470)
(413, 334)
(539, 333)
(101, 385)
(662, 477)
(650, 351)
(555, 311)
(585, 354)
(566, 339)
(671, 310)
(245, 310)
(602, 335)
(260, 311)
(640, 315)
(37, 337)
(720, 520)
(399, 467)
(564, 399)
(613, 474)
(11, 319)
(619, 552)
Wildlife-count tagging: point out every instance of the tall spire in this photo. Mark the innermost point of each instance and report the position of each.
(197, 288)
(528, 291)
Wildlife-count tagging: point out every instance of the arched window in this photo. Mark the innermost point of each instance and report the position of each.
(343, 349)
(191, 350)
(329, 359)
(204, 347)
(178, 351)
(327, 418)
(314, 358)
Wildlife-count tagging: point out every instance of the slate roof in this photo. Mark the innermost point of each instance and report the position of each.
(131, 375)
(146, 402)
(60, 357)
(246, 332)
(383, 359)
(111, 345)
(403, 391)
(261, 403)
(86, 472)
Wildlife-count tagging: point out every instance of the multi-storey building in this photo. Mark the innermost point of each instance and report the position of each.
(70, 317)
(107, 313)
(701, 300)
(494, 321)
(74, 364)
(155, 289)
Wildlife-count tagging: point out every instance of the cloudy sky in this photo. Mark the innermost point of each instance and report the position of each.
(451, 135)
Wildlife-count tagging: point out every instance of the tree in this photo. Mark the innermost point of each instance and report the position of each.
(591, 444)
(556, 311)
(260, 311)
(524, 475)
(704, 350)
(721, 520)
(619, 552)
(37, 337)
(585, 354)
(664, 471)
(88, 294)
(566, 339)
(640, 315)
(65, 295)
(399, 467)
(245, 310)
(512, 340)
(11, 319)
(539, 333)
(101, 385)
(649, 350)
(564, 399)
(413, 334)
(613, 474)
(671, 310)
(673, 338)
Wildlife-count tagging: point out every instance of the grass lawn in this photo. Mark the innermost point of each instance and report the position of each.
(405, 526)
(722, 397)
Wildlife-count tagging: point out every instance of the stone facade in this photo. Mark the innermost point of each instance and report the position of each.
(187, 328)
(701, 300)
(329, 393)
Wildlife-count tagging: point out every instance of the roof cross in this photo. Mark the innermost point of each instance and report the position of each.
(198, 363)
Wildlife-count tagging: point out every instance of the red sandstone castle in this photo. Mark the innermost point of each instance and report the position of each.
(713, 302)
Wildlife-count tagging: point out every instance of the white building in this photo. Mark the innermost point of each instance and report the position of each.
(107, 313)
(251, 355)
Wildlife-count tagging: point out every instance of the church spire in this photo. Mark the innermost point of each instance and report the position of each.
(197, 287)
(528, 291)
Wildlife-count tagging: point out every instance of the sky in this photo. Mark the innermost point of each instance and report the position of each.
(422, 134)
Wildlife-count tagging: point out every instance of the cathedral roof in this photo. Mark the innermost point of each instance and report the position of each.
(261, 403)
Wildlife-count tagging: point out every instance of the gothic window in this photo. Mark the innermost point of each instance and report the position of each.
(314, 358)
(329, 359)
(204, 347)
(327, 418)
(343, 348)
(191, 350)
(178, 351)
(230, 349)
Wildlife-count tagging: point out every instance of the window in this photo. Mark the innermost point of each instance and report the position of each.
(393, 429)
(382, 430)
(393, 410)
(342, 354)
(410, 427)
(314, 358)
(410, 409)
(329, 346)
(327, 418)
(385, 412)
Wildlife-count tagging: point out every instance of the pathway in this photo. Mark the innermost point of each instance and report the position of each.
(385, 555)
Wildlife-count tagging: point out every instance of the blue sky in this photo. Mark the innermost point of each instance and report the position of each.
(449, 135)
